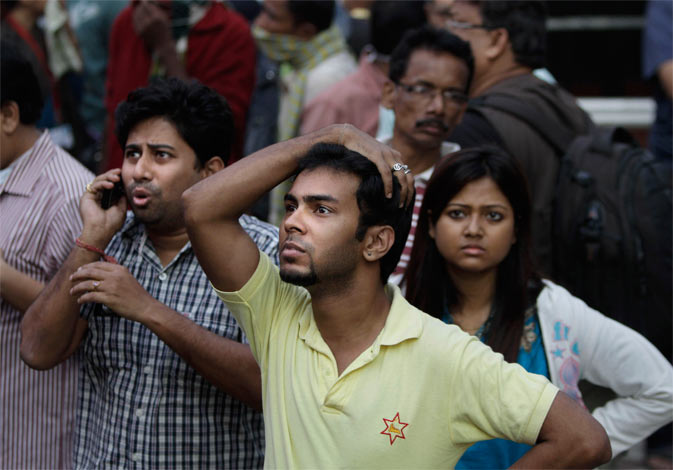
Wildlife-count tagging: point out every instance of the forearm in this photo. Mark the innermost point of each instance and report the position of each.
(17, 288)
(226, 194)
(51, 326)
(227, 364)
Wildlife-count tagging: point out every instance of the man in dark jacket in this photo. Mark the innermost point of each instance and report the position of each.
(508, 43)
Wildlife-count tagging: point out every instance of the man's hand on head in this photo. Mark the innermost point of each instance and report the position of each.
(114, 286)
(152, 24)
(99, 225)
(383, 156)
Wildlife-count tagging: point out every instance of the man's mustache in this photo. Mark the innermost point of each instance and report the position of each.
(433, 121)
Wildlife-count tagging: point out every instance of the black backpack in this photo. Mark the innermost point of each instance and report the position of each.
(612, 221)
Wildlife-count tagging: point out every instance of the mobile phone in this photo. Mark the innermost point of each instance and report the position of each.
(112, 196)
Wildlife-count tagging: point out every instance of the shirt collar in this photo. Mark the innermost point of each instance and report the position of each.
(404, 322)
(29, 166)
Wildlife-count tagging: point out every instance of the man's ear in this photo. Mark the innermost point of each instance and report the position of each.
(11, 117)
(212, 166)
(378, 240)
(498, 43)
(388, 95)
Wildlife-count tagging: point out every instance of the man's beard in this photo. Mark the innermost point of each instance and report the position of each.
(300, 279)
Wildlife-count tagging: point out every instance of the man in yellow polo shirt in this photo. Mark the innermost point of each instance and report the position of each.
(353, 375)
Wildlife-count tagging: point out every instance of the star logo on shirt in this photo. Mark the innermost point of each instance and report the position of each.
(394, 428)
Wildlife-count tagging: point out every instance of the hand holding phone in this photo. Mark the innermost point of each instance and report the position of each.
(112, 196)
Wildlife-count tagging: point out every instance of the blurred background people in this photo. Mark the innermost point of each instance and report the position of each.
(186, 39)
(356, 98)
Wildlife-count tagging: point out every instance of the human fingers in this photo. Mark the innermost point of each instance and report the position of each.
(98, 270)
(102, 182)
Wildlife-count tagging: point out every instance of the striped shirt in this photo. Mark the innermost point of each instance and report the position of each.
(420, 183)
(140, 404)
(39, 207)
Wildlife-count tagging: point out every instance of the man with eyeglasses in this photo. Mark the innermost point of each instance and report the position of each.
(430, 73)
(508, 43)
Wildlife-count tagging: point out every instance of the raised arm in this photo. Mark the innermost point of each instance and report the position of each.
(52, 329)
(569, 438)
(212, 207)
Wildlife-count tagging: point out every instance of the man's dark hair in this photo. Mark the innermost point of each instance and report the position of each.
(428, 38)
(375, 208)
(317, 12)
(18, 83)
(390, 19)
(200, 115)
(525, 24)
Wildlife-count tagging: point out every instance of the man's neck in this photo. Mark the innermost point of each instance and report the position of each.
(167, 244)
(350, 317)
(481, 84)
(418, 159)
(23, 140)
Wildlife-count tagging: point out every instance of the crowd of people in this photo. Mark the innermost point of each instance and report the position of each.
(293, 234)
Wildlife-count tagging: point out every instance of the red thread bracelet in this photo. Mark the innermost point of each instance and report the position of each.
(108, 258)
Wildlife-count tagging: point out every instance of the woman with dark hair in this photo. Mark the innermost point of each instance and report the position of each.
(471, 265)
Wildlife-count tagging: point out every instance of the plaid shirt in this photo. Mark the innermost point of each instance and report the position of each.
(142, 406)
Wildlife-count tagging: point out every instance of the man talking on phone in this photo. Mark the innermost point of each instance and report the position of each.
(159, 350)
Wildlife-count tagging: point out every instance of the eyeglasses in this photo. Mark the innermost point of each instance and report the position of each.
(428, 92)
(453, 24)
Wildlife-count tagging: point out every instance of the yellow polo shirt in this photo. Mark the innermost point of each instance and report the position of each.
(417, 398)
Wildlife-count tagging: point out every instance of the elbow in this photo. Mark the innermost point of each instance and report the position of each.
(30, 351)
(32, 358)
(596, 448)
(189, 209)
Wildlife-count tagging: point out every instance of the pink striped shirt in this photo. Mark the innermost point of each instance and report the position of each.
(39, 203)
(420, 183)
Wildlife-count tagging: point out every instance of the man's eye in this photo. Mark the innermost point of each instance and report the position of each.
(162, 154)
(131, 154)
(421, 89)
(323, 210)
(290, 207)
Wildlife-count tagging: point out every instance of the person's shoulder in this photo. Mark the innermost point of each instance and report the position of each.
(65, 173)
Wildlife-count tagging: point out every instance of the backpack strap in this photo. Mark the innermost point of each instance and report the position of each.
(558, 137)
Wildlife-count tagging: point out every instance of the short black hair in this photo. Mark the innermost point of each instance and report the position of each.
(375, 208)
(201, 116)
(390, 19)
(19, 83)
(319, 13)
(429, 39)
(525, 22)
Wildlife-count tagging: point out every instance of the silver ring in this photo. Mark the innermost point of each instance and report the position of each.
(407, 171)
(398, 166)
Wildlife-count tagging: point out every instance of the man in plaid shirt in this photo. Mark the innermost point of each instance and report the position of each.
(159, 349)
